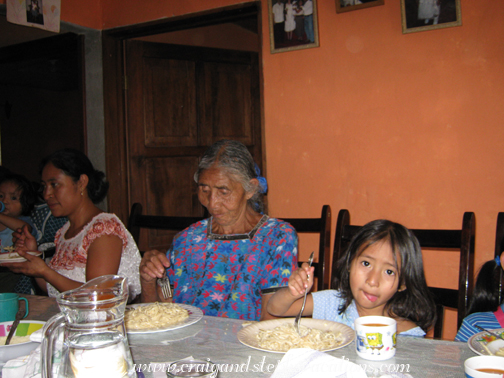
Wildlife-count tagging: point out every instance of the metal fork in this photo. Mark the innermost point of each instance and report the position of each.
(298, 317)
(164, 283)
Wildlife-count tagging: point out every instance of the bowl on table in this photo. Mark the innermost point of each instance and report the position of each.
(25, 328)
(484, 367)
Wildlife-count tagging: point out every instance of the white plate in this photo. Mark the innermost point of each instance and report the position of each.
(195, 314)
(248, 335)
(15, 258)
(25, 328)
(484, 344)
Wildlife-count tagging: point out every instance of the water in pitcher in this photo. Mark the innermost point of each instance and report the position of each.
(99, 355)
(95, 342)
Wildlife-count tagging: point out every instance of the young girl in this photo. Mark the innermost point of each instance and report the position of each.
(485, 308)
(18, 196)
(381, 273)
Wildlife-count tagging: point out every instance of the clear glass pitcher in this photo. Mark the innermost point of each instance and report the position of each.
(88, 338)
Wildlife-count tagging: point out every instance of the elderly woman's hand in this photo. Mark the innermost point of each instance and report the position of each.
(153, 265)
(301, 280)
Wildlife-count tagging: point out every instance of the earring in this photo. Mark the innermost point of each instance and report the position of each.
(82, 193)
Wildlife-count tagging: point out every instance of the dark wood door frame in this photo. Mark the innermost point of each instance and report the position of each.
(114, 87)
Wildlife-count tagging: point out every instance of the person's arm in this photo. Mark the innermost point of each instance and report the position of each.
(152, 267)
(288, 300)
(14, 223)
(104, 257)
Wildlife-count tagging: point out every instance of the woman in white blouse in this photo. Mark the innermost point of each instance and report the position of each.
(92, 243)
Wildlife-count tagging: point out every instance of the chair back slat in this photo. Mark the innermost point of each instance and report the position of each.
(499, 248)
(137, 221)
(321, 226)
(459, 240)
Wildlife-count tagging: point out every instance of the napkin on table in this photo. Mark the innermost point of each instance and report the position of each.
(308, 363)
(25, 366)
(30, 366)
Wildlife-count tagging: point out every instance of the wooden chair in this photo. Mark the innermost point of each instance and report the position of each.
(321, 226)
(461, 239)
(499, 247)
(137, 221)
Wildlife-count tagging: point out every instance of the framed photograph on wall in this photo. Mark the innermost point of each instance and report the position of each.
(350, 5)
(420, 15)
(293, 25)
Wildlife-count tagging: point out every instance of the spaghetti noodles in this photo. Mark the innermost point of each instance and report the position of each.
(156, 315)
(285, 337)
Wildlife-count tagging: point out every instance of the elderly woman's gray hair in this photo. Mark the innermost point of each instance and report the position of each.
(234, 158)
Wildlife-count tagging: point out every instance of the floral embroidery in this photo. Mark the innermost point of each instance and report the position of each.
(225, 277)
(70, 258)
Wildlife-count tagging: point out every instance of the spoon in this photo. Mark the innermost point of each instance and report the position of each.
(19, 316)
(298, 317)
(490, 332)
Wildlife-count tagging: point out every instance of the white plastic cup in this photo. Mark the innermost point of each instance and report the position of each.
(375, 337)
(473, 367)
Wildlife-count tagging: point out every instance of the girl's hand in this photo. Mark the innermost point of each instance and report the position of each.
(153, 265)
(23, 240)
(301, 280)
(33, 266)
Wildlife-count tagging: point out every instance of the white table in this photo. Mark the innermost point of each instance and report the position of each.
(216, 339)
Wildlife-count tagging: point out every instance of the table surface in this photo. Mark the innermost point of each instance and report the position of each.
(216, 339)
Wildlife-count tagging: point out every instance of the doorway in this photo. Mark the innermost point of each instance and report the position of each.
(42, 98)
(172, 89)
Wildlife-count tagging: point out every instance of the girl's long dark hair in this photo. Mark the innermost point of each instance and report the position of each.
(486, 291)
(415, 302)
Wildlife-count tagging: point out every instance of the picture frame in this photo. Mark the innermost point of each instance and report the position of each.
(351, 5)
(295, 30)
(422, 15)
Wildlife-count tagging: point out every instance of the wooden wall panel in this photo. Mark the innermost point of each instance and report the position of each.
(170, 102)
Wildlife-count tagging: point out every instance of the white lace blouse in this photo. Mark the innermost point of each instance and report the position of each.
(71, 254)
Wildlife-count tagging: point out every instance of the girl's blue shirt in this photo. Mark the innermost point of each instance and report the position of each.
(484, 319)
(327, 302)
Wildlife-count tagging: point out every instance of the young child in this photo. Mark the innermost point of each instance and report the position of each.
(18, 196)
(485, 308)
(381, 273)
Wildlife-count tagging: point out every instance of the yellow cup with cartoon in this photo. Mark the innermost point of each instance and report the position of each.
(375, 337)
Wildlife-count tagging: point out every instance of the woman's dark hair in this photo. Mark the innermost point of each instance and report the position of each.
(234, 157)
(415, 302)
(27, 194)
(75, 163)
(485, 295)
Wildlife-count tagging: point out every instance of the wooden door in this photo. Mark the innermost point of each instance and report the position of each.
(180, 100)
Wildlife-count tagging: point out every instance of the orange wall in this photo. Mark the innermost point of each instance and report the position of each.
(402, 126)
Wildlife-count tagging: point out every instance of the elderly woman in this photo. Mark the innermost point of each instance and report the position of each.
(225, 263)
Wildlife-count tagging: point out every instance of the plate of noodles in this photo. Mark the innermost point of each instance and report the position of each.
(13, 257)
(160, 317)
(486, 344)
(279, 335)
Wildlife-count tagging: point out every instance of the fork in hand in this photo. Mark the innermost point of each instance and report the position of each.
(298, 317)
(164, 283)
